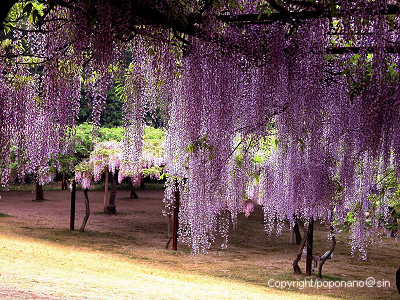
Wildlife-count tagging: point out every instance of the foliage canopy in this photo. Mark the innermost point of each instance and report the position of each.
(325, 73)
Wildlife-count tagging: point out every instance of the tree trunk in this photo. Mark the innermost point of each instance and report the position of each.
(170, 236)
(310, 237)
(395, 227)
(85, 192)
(297, 233)
(295, 264)
(63, 182)
(39, 192)
(398, 227)
(326, 255)
(133, 193)
(111, 209)
(142, 182)
(105, 191)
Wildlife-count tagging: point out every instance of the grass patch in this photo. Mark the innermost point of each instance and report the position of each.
(3, 215)
(56, 186)
(29, 187)
(67, 272)
(96, 213)
(333, 278)
(154, 185)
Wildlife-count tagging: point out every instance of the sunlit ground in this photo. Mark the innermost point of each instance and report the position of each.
(123, 256)
(44, 270)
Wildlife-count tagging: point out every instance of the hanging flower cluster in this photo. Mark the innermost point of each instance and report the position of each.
(41, 82)
(326, 88)
(108, 156)
(335, 118)
(84, 174)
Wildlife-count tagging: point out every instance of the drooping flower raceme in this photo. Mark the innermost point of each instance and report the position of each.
(333, 109)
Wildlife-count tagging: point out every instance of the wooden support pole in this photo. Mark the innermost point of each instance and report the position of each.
(273, 17)
(176, 219)
(39, 192)
(105, 191)
(111, 208)
(310, 233)
(73, 197)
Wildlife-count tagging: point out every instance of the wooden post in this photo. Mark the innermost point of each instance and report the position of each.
(73, 197)
(310, 233)
(39, 192)
(176, 213)
(111, 208)
(105, 190)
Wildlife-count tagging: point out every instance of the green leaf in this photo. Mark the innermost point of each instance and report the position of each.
(36, 17)
(276, 142)
(189, 148)
(28, 9)
(257, 159)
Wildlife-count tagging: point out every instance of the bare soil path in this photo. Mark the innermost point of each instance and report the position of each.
(54, 212)
(123, 256)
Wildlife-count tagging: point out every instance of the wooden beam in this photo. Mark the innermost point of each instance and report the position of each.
(73, 197)
(310, 236)
(356, 50)
(176, 218)
(298, 15)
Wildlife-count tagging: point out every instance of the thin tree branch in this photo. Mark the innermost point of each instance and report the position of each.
(326, 255)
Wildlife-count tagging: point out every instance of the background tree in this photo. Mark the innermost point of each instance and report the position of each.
(107, 157)
(111, 117)
(83, 175)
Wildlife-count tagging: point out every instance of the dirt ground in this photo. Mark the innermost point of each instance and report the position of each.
(139, 231)
(134, 216)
